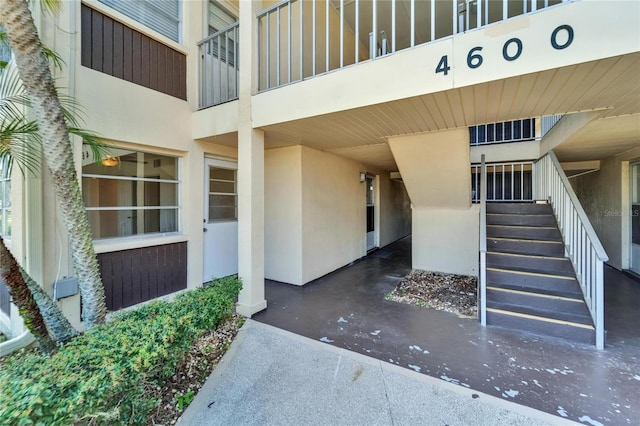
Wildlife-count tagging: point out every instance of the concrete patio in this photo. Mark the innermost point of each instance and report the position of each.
(347, 309)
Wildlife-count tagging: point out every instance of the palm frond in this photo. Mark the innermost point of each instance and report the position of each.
(20, 141)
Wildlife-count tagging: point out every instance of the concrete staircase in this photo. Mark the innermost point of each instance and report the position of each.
(531, 285)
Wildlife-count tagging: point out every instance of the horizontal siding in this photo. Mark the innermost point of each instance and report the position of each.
(113, 48)
(137, 275)
(5, 299)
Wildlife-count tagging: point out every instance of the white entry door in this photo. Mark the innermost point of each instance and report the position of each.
(635, 217)
(372, 240)
(220, 219)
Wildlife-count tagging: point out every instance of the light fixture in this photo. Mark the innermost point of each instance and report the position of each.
(110, 161)
(363, 176)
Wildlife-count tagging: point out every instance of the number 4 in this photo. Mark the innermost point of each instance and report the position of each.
(443, 65)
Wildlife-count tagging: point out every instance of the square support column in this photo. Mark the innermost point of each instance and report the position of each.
(250, 172)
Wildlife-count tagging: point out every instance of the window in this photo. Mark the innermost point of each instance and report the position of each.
(223, 198)
(130, 193)
(222, 46)
(5, 200)
(162, 16)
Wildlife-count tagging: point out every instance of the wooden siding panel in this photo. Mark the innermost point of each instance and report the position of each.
(107, 46)
(111, 47)
(138, 275)
(118, 50)
(127, 55)
(85, 23)
(96, 42)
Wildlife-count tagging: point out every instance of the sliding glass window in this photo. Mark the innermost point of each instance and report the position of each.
(131, 193)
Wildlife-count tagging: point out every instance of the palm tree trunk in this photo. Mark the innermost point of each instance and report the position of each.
(62, 329)
(34, 71)
(23, 299)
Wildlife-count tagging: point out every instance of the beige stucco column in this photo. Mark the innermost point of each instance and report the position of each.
(250, 173)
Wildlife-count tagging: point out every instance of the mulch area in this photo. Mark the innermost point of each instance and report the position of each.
(193, 371)
(435, 290)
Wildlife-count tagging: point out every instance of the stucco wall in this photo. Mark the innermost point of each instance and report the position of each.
(315, 213)
(395, 210)
(333, 213)
(604, 195)
(283, 214)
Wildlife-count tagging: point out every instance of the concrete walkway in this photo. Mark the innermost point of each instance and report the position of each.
(273, 377)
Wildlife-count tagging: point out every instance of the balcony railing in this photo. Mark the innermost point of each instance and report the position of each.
(582, 244)
(548, 122)
(508, 131)
(218, 68)
(507, 182)
(302, 39)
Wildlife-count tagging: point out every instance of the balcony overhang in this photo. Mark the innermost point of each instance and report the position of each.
(403, 94)
(411, 73)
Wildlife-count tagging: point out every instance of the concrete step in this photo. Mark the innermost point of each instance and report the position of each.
(541, 326)
(531, 263)
(554, 307)
(519, 208)
(525, 246)
(521, 219)
(554, 285)
(541, 233)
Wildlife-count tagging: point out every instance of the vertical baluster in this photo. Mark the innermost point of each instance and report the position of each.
(503, 173)
(219, 68)
(513, 189)
(505, 10)
(413, 23)
(433, 20)
(226, 59)
(289, 35)
(534, 5)
(341, 33)
(374, 25)
(494, 182)
(277, 47)
(301, 40)
(479, 13)
(357, 35)
(313, 35)
(454, 3)
(268, 49)
(235, 60)
(393, 25)
(326, 35)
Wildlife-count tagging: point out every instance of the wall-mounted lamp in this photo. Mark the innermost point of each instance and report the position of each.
(110, 161)
(363, 177)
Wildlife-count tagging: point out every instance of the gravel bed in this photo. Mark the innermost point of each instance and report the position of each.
(435, 290)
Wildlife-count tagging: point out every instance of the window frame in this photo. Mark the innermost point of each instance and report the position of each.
(178, 208)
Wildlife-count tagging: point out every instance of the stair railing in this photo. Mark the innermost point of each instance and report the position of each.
(482, 288)
(581, 242)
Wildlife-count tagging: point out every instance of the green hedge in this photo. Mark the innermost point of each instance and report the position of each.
(103, 375)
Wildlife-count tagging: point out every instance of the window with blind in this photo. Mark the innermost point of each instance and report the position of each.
(220, 18)
(163, 16)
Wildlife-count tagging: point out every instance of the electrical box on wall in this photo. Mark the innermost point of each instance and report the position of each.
(65, 287)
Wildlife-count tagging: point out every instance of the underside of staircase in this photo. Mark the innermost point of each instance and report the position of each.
(531, 285)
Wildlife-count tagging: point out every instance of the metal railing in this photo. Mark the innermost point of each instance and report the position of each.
(508, 182)
(301, 39)
(482, 288)
(548, 122)
(581, 242)
(218, 67)
(507, 131)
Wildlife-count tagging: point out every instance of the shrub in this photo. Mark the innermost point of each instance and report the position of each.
(102, 375)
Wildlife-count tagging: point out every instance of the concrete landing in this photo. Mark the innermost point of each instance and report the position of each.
(273, 377)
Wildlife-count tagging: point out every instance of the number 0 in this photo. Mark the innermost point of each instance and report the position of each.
(443, 65)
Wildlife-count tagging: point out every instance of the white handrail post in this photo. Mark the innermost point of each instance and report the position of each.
(600, 304)
(483, 242)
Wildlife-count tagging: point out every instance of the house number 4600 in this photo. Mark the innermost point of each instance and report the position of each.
(474, 58)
